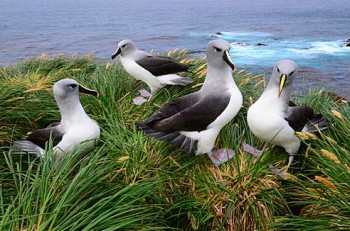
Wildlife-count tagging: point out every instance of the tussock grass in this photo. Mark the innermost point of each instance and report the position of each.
(133, 182)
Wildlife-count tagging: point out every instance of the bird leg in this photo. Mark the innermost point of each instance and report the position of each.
(257, 153)
(220, 156)
(144, 95)
(280, 172)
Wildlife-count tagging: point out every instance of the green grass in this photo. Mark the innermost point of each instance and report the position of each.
(132, 182)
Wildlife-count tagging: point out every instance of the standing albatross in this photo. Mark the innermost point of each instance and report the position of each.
(274, 119)
(201, 115)
(75, 129)
(155, 71)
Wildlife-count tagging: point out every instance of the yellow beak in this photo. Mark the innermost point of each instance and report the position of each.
(283, 80)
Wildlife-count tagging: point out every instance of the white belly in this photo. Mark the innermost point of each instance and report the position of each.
(269, 125)
(140, 73)
(83, 135)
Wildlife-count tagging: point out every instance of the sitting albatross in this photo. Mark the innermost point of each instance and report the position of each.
(155, 71)
(275, 119)
(201, 115)
(76, 127)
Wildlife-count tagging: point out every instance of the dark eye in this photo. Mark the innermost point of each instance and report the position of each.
(278, 70)
(217, 49)
(73, 85)
(123, 46)
(292, 73)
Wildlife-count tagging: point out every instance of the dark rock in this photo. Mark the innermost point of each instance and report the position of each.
(346, 43)
(261, 44)
(240, 44)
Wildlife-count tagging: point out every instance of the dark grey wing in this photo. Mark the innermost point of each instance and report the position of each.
(41, 136)
(54, 124)
(159, 65)
(173, 107)
(193, 118)
(169, 109)
(299, 116)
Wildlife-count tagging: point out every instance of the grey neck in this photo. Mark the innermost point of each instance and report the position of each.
(218, 79)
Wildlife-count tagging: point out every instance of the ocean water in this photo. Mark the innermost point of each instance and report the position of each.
(310, 32)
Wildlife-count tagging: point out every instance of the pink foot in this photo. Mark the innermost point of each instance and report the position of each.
(251, 150)
(221, 156)
(145, 93)
(139, 100)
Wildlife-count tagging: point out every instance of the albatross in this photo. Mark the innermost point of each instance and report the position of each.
(197, 118)
(155, 71)
(275, 119)
(76, 128)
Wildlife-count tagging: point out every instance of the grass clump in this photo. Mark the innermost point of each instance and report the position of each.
(321, 192)
(133, 182)
(76, 195)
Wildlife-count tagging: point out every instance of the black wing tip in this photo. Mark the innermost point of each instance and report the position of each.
(188, 66)
(146, 129)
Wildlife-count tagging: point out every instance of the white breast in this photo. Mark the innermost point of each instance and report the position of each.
(267, 122)
(139, 72)
(84, 133)
(231, 110)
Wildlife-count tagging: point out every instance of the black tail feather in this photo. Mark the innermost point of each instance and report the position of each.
(317, 123)
(21, 147)
(187, 145)
(175, 138)
(183, 81)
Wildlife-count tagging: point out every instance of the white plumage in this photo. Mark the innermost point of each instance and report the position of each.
(200, 116)
(76, 128)
(274, 119)
(155, 71)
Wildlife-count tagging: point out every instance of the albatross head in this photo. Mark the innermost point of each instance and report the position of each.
(69, 89)
(283, 74)
(125, 47)
(218, 54)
